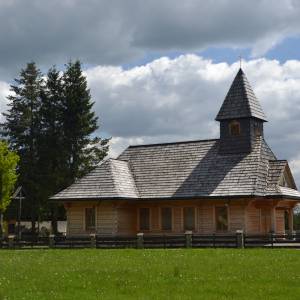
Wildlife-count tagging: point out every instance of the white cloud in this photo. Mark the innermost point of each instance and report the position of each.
(116, 32)
(178, 99)
(4, 92)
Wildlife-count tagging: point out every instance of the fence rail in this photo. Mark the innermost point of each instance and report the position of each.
(188, 240)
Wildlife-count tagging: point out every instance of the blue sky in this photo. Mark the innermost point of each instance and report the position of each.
(287, 49)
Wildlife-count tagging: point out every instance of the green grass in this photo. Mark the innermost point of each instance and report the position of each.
(150, 274)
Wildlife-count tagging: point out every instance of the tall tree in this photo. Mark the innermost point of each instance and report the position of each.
(51, 125)
(8, 178)
(52, 159)
(22, 127)
(83, 150)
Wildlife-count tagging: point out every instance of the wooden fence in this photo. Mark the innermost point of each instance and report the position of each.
(187, 240)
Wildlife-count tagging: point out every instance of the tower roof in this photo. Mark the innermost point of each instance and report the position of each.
(240, 101)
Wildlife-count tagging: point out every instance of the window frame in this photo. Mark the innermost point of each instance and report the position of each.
(233, 125)
(87, 227)
(216, 218)
(161, 218)
(195, 217)
(139, 219)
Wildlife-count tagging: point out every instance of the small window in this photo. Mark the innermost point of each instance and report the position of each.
(234, 128)
(221, 218)
(144, 218)
(189, 218)
(90, 218)
(166, 218)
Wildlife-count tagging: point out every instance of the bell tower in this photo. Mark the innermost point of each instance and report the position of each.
(241, 118)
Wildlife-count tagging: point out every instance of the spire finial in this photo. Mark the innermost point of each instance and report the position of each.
(240, 58)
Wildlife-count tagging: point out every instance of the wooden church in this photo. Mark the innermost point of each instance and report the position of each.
(205, 186)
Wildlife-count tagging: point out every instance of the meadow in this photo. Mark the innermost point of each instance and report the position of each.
(150, 274)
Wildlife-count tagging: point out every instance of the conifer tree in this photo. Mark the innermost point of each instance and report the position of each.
(52, 161)
(80, 122)
(22, 128)
(51, 125)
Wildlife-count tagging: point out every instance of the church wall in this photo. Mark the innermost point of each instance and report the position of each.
(253, 220)
(122, 217)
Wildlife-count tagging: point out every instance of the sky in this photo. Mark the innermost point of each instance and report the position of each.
(159, 70)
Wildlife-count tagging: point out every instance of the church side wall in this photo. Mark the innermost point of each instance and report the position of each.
(253, 219)
(280, 221)
(126, 220)
(106, 217)
(75, 220)
(121, 217)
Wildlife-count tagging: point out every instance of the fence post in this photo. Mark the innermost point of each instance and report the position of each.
(11, 241)
(188, 239)
(51, 241)
(93, 240)
(140, 240)
(240, 239)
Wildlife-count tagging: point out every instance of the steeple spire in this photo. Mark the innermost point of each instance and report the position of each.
(240, 101)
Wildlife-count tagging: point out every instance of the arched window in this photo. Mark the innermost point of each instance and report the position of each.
(234, 128)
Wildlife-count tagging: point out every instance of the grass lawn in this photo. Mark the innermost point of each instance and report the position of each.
(150, 274)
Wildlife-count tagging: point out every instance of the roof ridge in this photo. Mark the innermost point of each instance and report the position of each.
(133, 177)
(269, 148)
(113, 178)
(172, 143)
(257, 170)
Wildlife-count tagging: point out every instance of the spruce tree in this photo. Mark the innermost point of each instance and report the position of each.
(83, 150)
(52, 160)
(51, 125)
(22, 128)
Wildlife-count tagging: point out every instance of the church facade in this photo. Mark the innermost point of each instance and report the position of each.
(205, 186)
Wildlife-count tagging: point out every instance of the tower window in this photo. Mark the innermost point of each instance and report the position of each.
(234, 128)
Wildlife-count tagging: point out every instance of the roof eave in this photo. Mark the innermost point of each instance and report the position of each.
(205, 197)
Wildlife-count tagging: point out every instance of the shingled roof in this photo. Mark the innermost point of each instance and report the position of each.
(240, 101)
(183, 170)
(192, 169)
(111, 179)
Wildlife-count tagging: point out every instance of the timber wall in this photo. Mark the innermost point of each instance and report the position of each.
(122, 217)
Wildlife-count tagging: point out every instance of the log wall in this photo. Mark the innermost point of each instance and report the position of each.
(117, 217)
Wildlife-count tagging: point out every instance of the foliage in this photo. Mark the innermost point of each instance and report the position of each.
(8, 174)
(150, 274)
(22, 128)
(297, 218)
(83, 152)
(51, 125)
